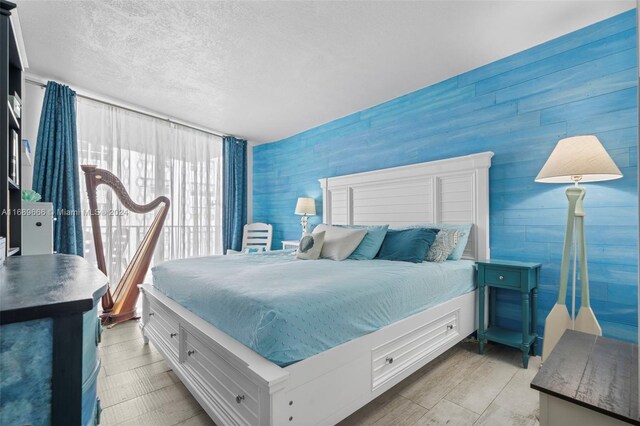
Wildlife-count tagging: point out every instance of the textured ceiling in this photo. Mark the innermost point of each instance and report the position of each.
(268, 70)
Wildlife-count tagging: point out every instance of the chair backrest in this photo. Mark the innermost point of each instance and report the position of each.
(257, 235)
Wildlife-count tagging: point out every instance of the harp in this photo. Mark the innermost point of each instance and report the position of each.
(119, 304)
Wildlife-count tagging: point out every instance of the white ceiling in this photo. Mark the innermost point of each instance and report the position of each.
(268, 70)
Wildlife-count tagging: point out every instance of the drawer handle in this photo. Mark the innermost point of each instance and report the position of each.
(191, 352)
(172, 335)
(98, 332)
(239, 398)
(449, 326)
(151, 314)
(389, 360)
(501, 278)
(98, 410)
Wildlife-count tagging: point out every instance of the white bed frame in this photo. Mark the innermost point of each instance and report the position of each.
(236, 386)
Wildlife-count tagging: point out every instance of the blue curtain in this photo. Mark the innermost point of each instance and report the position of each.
(234, 192)
(55, 170)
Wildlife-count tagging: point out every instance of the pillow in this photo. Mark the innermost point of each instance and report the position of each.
(253, 250)
(310, 246)
(339, 242)
(446, 241)
(371, 243)
(463, 228)
(407, 245)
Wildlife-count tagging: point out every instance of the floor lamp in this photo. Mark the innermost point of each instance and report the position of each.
(574, 160)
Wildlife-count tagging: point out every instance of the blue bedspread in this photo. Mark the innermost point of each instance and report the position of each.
(288, 310)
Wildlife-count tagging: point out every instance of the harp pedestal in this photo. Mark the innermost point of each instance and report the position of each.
(109, 318)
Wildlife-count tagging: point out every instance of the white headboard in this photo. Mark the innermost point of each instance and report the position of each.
(453, 190)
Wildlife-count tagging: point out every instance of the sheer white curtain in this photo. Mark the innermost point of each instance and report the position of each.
(151, 157)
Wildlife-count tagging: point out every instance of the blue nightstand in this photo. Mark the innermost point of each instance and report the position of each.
(509, 275)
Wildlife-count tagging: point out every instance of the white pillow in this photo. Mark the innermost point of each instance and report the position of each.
(339, 242)
(310, 246)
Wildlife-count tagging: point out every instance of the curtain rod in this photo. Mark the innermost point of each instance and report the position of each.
(157, 117)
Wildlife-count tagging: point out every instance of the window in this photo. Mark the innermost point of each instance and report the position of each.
(151, 157)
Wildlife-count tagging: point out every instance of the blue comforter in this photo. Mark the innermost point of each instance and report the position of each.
(288, 310)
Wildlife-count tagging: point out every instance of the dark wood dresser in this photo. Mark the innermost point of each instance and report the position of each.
(49, 334)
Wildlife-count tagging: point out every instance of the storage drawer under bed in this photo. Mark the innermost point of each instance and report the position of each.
(165, 325)
(220, 383)
(395, 356)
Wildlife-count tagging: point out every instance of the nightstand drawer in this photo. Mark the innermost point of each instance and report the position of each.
(502, 277)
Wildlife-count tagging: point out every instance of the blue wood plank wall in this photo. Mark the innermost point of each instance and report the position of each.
(582, 83)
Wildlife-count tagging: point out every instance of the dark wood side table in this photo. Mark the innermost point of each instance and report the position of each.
(509, 275)
(589, 380)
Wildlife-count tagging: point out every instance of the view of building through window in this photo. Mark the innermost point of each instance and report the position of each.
(151, 157)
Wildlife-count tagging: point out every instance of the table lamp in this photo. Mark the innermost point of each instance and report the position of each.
(305, 207)
(573, 160)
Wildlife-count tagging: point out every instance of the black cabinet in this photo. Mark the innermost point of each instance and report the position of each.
(11, 85)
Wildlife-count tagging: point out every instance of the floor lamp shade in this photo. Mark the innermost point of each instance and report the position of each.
(578, 159)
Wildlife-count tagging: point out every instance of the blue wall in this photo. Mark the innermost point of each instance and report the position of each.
(582, 83)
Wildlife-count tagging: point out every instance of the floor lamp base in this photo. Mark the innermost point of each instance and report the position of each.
(559, 318)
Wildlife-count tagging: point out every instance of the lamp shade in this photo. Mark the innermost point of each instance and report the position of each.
(306, 206)
(578, 159)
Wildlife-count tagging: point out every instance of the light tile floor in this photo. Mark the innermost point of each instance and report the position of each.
(461, 387)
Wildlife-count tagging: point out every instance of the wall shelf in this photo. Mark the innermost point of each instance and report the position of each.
(12, 184)
(14, 123)
(11, 83)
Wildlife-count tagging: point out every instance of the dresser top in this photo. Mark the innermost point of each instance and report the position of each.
(33, 287)
(509, 263)
(594, 372)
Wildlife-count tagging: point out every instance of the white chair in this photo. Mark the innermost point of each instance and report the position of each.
(257, 235)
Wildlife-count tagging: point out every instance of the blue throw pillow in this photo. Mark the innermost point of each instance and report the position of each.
(407, 245)
(371, 243)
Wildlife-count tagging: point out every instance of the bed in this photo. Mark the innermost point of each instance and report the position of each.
(271, 340)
